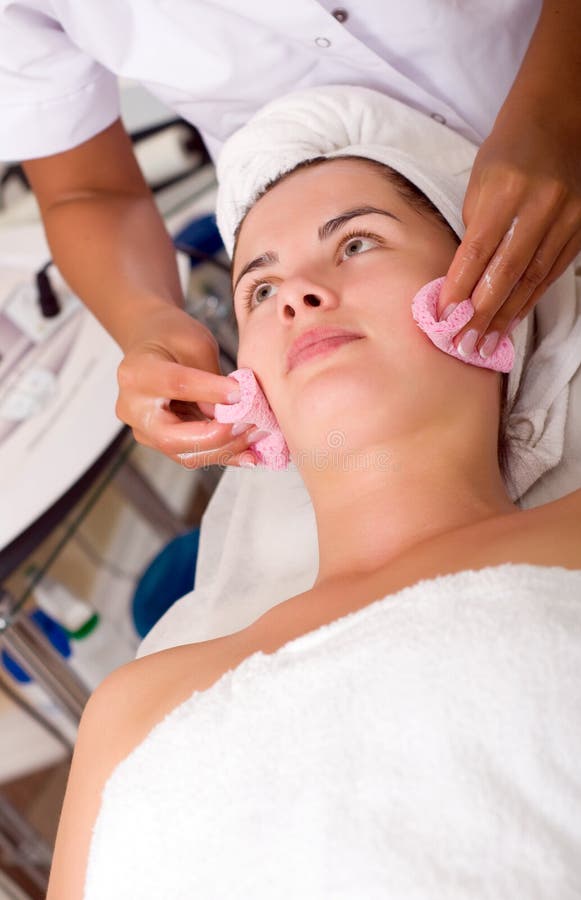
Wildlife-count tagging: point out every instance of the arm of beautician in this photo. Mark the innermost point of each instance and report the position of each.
(523, 203)
(111, 246)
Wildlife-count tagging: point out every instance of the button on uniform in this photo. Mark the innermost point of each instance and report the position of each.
(438, 118)
(322, 42)
(340, 14)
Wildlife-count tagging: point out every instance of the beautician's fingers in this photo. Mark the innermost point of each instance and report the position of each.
(206, 440)
(246, 460)
(522, 259)
(159, 377)
(169, 383)
(556, 247)
(237, 453)
(551, 257)
(523, 212)
(170, 425)
(563, 261)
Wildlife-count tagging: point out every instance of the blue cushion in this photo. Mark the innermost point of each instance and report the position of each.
(171, 575)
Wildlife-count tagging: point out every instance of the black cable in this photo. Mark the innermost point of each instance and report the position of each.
(48, 300)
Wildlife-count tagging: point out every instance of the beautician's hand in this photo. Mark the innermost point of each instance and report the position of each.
(523, 215)
(169, 378)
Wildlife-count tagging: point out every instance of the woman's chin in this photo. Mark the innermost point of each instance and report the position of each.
(332, 391)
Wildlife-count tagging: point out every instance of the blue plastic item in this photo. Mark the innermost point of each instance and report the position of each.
(56, 635)
(171, 575)
(201, 234)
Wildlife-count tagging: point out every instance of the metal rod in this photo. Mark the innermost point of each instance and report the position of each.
(22, 846)
(138, 491)
(31, 649)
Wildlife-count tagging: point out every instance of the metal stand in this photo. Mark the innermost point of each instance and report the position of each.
(22, 847)
(35, 653)
(139, 492)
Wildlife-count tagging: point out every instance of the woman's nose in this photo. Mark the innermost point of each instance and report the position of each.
(294, 299)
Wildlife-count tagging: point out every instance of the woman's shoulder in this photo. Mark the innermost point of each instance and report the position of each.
(137, 696)
(117, 718)
(547, 535)
(551, 534)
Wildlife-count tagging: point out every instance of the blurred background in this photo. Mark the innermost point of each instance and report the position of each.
(98, 535)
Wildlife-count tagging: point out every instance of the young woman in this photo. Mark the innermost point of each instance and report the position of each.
(402, 466)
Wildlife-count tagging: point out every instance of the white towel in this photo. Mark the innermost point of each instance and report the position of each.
(425, 747)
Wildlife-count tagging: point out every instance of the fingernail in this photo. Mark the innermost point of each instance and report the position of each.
(468, 342)
(233, 397)
(489, 345)
(239, 427)
(256, 434)
(247, 462)
(448, 311)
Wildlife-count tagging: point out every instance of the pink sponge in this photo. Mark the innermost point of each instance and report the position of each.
(272, 451)
(424, 306)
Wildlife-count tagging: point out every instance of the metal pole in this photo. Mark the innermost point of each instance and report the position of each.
(22, 846)
(139, 492)
(31, 649)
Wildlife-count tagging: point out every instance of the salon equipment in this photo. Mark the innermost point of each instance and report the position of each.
(167, 578)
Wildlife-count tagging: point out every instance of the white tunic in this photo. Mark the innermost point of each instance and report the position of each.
(424, 747)
(215, 62)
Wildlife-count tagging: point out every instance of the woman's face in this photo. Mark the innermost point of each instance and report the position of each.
(391, 378)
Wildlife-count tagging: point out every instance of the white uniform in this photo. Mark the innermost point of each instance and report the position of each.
(215, 63)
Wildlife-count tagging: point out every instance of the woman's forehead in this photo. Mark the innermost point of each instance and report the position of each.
(312, 195)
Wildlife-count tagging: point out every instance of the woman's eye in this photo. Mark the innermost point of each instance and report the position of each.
(355, 245)
(261, 292)
(256, 293)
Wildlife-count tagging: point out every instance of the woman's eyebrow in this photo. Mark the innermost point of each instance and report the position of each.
(324, 232)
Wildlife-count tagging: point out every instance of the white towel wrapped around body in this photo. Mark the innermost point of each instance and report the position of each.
(423, 747)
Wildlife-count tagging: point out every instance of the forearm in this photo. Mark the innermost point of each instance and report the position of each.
(114, 252)
(550, 74)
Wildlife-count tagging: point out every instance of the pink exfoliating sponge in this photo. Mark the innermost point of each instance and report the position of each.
(441, 334)
(272, 451)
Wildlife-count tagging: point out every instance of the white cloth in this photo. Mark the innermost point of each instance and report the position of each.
(258, 547)
(216, 62)
(423, 747)
(332, 120)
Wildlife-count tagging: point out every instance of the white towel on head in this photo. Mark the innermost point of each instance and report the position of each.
(333, 120)
(423, 747)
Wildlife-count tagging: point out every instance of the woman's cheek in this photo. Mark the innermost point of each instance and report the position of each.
(253, 350)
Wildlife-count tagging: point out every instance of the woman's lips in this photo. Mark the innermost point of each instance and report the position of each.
(322, 346)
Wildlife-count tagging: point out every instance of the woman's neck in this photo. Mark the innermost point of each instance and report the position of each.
(369, 515)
